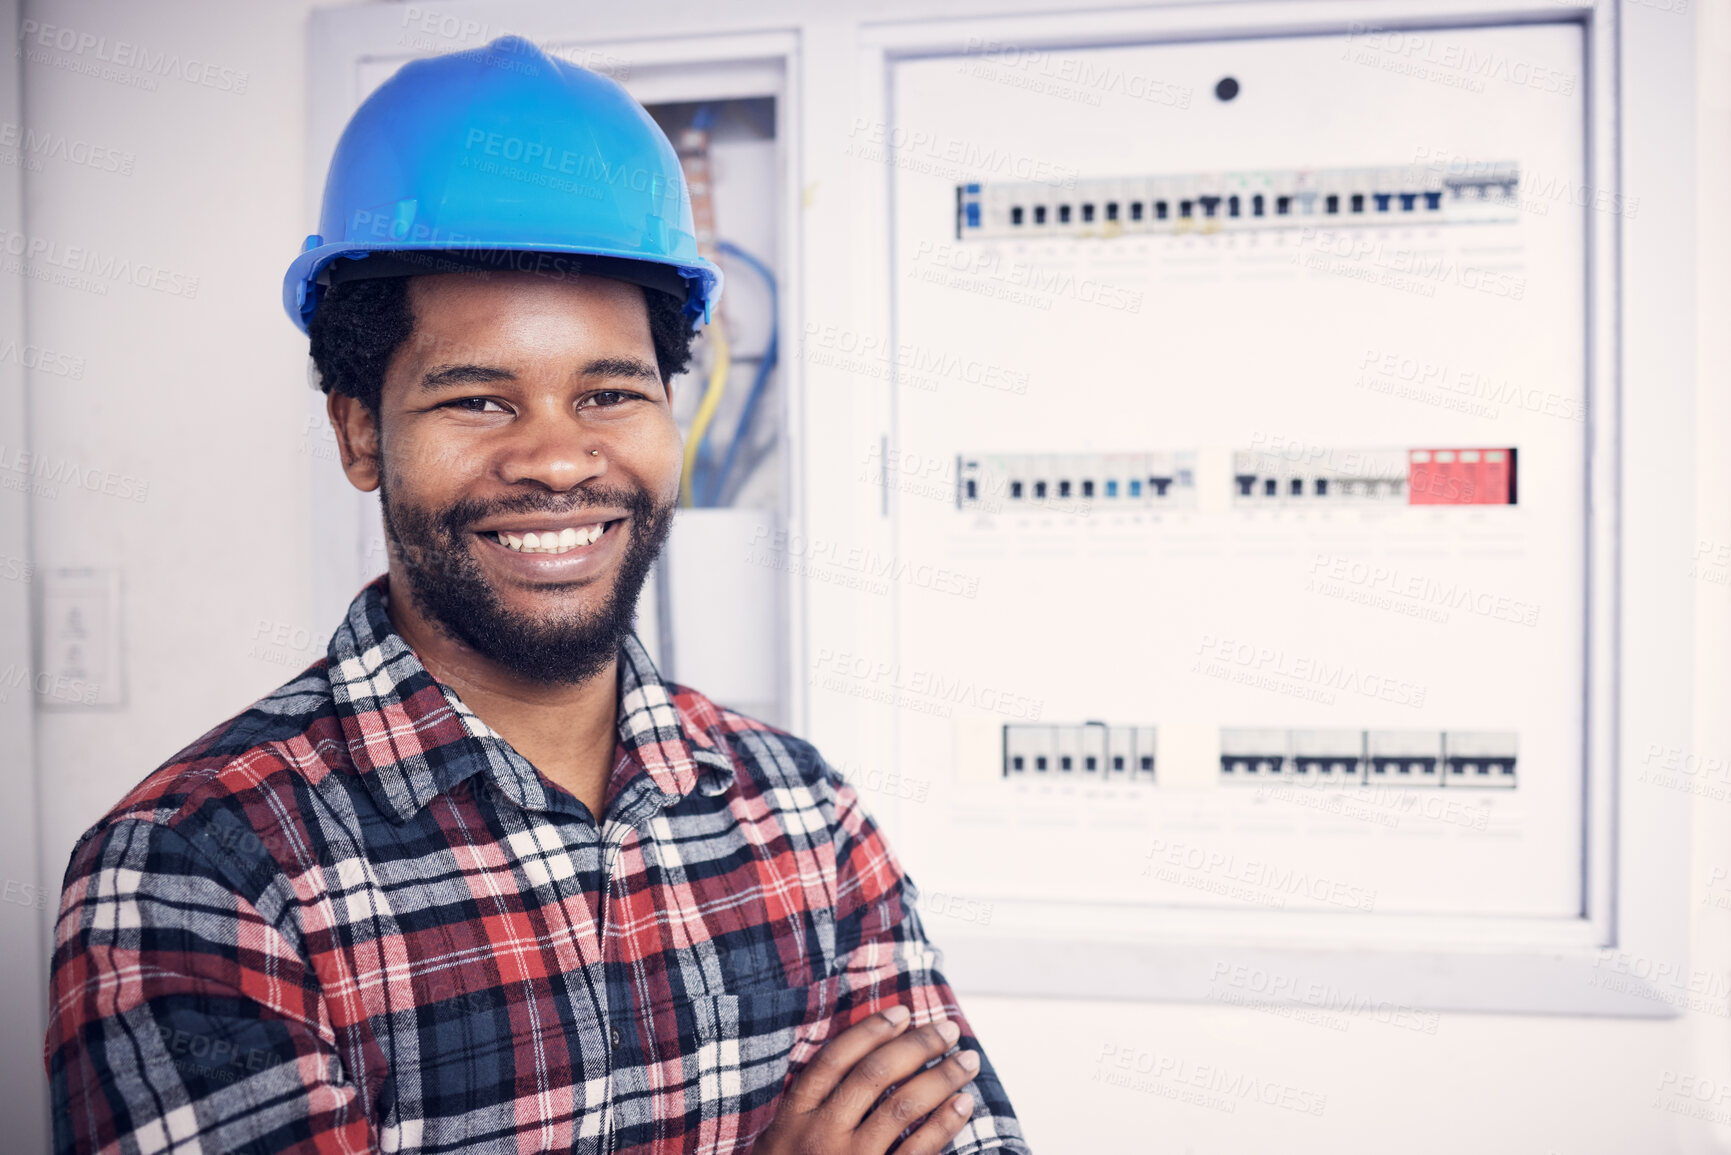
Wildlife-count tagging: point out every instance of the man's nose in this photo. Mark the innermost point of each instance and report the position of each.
(557, 453)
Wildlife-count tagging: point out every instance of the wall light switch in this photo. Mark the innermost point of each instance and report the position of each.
(80, 651)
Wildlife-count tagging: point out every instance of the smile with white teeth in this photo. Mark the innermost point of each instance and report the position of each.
(550, 541)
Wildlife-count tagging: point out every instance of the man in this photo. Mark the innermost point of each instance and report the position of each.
(481, 880)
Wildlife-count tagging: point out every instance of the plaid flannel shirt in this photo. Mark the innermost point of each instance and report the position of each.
(353, 918)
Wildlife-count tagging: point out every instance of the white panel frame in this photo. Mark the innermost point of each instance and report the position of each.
(1640, 299)
(1554, 966)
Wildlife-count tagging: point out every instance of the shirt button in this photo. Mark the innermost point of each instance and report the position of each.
(618, 1038)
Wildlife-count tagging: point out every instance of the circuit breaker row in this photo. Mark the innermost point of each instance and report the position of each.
(1471, 476)
(1168, 480)
(1058, 480)
(1235, 201)
(1088, 749)
(1354, 757)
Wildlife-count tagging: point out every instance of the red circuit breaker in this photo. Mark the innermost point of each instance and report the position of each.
(1461, 476)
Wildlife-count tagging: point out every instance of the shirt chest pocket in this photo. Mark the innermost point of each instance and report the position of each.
(749, 1043)
(762, 955)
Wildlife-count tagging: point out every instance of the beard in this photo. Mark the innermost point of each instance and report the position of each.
(449, 587)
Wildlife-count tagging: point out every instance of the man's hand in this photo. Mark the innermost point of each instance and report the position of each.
(825, 1112)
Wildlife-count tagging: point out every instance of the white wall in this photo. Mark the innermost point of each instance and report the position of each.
(22, 957)
(202, 397)
(205, 399)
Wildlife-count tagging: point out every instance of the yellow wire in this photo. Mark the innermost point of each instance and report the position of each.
(706, 409)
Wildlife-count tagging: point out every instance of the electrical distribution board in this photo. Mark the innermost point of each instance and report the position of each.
(1260, 617)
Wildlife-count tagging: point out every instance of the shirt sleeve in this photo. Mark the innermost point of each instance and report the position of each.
(180, 1019)
(885, 958)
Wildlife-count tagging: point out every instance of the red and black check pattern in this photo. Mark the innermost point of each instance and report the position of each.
(354, 919)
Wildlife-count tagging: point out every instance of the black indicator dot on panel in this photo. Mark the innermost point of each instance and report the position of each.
(1039, 489)
(1232, 206)
(1160, 485)
(1091, 763)
(1063, 489)
(1433, 201)
(1407, 200)
(1282, 206)
(1016, 215)
(1382, 200)
(1040, 762)
(1256, 205)
(1063, 214)
(1064, 763)
(1332, 203)
(1159, 210)
(1270, 487)
(1018, 763)
(1087, 489)
(1147, 762)
(1117, 761)
(1245, 482)
(1358, 202)
(1135, 210)
(1209, 204)
(1039, 214)
(1226, 89)
(1184, 208)
(1087, 212)
(1296, 487)
(1015, 489)
(973, 489)
(1111, 210)
(1322, 487)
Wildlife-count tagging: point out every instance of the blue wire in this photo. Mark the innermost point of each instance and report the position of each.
(703, 464)
(770, 353)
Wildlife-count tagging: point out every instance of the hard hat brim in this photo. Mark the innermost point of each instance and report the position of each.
(304, 282)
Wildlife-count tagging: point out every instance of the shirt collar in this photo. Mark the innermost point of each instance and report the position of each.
(411, 737)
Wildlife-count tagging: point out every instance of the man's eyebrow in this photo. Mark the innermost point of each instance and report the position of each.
(622, 367)
(616, 367)
(464, 375)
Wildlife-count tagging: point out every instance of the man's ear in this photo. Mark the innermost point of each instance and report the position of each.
(357, 433)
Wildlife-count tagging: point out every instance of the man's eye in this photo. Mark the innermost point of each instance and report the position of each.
(476, 405)
(608, 398)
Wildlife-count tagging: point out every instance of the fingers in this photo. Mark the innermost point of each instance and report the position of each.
(891, 1063)
(919, 1097)
(841, 1053)
(937, 1132)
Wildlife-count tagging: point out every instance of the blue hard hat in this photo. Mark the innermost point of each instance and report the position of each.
(503, 150)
